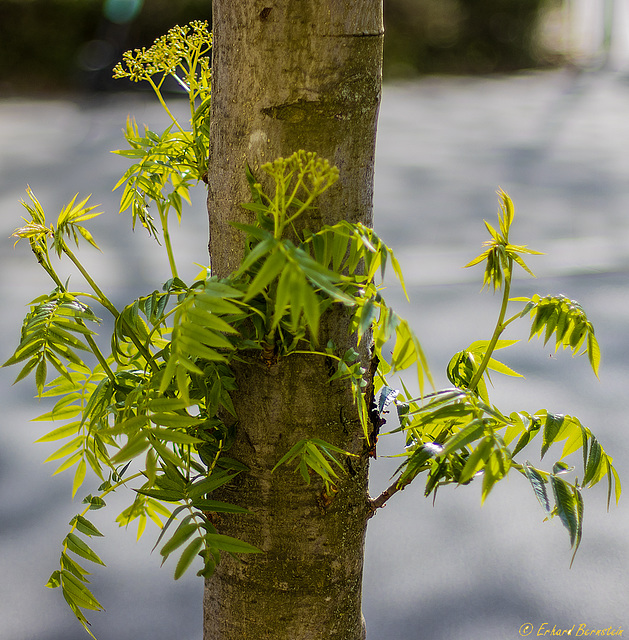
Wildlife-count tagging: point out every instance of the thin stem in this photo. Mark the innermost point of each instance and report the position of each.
(506, 323)
(44, 262)
(102, 298)
(192, 86)
(500, 327)
(158, 93)
(104, 493)
(109, 490)
(100, 357)
(163, 215)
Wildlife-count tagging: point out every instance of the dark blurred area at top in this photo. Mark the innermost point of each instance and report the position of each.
(48, 46)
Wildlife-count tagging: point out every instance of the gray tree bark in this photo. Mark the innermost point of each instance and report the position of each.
(289, 75)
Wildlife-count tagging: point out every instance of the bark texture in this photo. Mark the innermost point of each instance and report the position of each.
(289, 75)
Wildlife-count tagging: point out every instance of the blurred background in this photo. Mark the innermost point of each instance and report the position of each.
(62, 45)
(528, 95)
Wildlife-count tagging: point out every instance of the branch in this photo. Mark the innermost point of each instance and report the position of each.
(382, 499)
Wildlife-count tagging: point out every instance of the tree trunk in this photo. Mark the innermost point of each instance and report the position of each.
(289, 75)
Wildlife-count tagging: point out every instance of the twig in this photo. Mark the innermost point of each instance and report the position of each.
(382, 499)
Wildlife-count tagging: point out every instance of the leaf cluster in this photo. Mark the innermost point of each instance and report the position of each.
(315, 455)
(195, 528)
(567, 321)
(160, 398)
(53, 330)
(72, 577)
(500, 253)
(167, 165)
(456, 435)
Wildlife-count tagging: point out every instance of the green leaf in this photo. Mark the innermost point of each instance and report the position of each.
(594, 352)
(76, 545)
(166, 404)
(216, 506)
(182, 533)
(85, 526)
(480, 346)
(40, 375)
(407, 351)
(611, 471)
(55, 580)
(416, 461)
(66, 338)
(73, 567)
(70, 447)
(171, 518)
(566, 506)
(24, 351)
(76, 591)
(322, 277)
(496, 468)
(499, 367)
(168, 495)
(229, 544)
(368, 315)
(539, 486)
(292, 453)
(561, 467)
(207, 485)
(476, 460)
(258, 252)
(317, 462)
(69, 462)
(174, 420)
(552, 427)
(60, 432)
(171, 435)
(26, 369)
(135, 446)
(531, 431)
(594, 461)
(188, 555)
(168, 454)
(312, 312)
(473, 431)
(579, 508)
(95, 502)
(271, 268)
(79, 476)
(203, 335)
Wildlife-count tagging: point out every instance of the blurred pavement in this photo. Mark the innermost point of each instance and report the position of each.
(557, 143)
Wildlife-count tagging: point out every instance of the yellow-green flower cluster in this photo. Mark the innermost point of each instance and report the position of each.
(180, 45)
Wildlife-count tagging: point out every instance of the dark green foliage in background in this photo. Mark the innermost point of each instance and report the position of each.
(43, 43)
(462, 36)
(39, 40)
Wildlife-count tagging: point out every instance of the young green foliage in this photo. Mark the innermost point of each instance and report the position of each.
(314, 454)
(167, 165)
(161, 397)
(566, 320)
(500, 254)
(456, 435)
